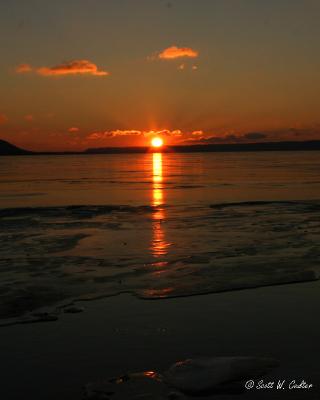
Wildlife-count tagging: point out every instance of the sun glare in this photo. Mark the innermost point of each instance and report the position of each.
(156, 142)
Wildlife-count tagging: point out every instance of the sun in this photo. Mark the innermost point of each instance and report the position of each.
(157, 142)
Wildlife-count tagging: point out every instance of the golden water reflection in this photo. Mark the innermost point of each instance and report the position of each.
(158, 244)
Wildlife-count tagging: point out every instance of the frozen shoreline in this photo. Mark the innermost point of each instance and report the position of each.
(122, 334)
(51, 256)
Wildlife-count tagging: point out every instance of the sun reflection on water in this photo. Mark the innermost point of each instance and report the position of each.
(158, 243)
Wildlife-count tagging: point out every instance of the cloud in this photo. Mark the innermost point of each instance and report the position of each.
(75, 67)
(255, 136)
(23, 68)
(163, 132)
(178, 136)
(173, 52)
(99, 135)
(29, 117)
(133, 132)
(120, 132)
(3, 118)
(183, 67)
(215, 139)
(200, 137)
(197, 133)
(73, 129)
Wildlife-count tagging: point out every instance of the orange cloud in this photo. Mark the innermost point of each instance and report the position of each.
(132, 132)
(99, 135)
(23, 68)
(173, 52)
(163, 132)
(109, 134)
(183, 67)
(120, 132)
(197, 133)
(75, 67)
(73, 129)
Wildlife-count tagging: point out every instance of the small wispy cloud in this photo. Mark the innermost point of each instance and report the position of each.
(133, 132)
(23, 68)
(173, 52)
(73, 129)
(75, 67)
(255, 135)
(199, 137)
(197, 133)
(184, 67)
(98, 135)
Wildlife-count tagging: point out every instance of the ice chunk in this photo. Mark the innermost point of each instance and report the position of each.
(200, 375)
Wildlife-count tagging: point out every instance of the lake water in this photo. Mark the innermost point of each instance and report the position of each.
(155, 225)
(136, 179)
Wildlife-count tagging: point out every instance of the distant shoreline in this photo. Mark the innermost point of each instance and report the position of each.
(8, 149)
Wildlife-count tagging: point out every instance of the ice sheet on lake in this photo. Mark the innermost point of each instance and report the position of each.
(56, 254)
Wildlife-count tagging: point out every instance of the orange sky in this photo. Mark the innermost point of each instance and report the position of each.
(77, 74)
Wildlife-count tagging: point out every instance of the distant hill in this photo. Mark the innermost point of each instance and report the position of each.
(7, 149)
(230, 147)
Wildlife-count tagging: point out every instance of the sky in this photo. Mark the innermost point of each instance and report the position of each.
(89, 73)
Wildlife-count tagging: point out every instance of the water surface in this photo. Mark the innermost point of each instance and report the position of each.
(155, 225)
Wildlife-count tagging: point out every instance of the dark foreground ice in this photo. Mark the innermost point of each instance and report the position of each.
(192, 377)
(51, 256)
